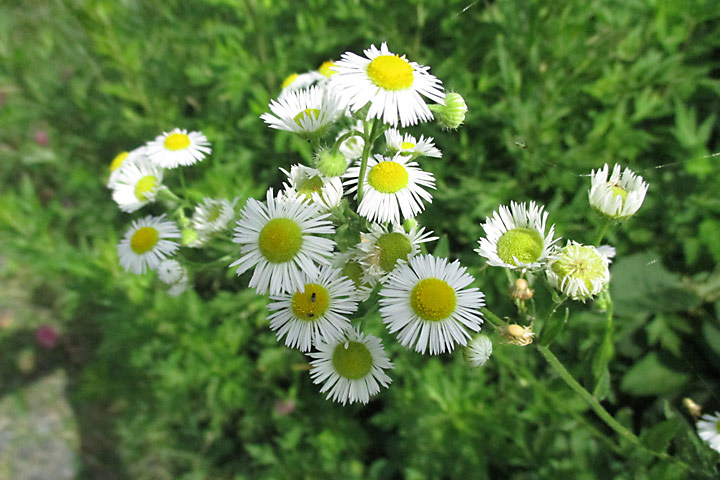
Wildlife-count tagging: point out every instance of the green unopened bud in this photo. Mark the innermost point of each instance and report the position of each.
(188, 236)
(452, 114)
(331, 164)
(409, 224)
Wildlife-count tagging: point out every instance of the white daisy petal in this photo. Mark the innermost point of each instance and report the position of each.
(619, 196)
(147, 243)
(709, 430)
(178, 148)
(409, 146)
(307, 112)
(136, 184)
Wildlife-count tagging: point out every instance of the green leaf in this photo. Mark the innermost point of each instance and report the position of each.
(442, 249)
(659, 436)
(553, 326)
(652, 376)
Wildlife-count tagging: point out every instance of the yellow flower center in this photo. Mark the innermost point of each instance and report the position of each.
(289, 80)
(393, 247)
(118, 160)
(352, 360)
(354, 271)
(580, 262)
(388, 177)
(523, 244)
(433, 299)
(144, 187)
(280, 239)
(619, 192)
(391, 72)
(311, 185)
(325, 68)
(312, 303)
(309, 113)
(177, 141)
(144, 240)
(407, 146)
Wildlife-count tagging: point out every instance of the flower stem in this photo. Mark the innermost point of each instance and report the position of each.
(370, 137)
(494, 319)
(601, 232)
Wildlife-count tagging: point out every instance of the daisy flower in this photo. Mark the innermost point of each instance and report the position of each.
(351, 369)
(147, 243)
(326, 69)
(409, 146)
(280, 239)
(307, 112)
(479, 350)
(578, 271)
(178, 148)
(619, 196)
(389, 83)
(384, 248)
(136, 184)
(392, 186)
(515, 237)
(121, 160)
(298, 81)
(428, 304)
(173, 274)
(709, 430)
(352, 147)
(315, 312)
(307, 182)
(211, 216)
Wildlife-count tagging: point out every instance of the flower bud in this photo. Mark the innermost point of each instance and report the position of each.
(331, 164)
(521, 290)
(478, 351)
(452, 114)
(188, 236)
(409, 224)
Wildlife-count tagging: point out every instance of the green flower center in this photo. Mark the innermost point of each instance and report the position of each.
(388, 177)
(280, 240)
(144, 240)
(118, 160)
(353, 271)
(433, 299)
(215, 212)
(312, 303)
(717, 427)
(177, 141)
(393, 247)
(311, 185)
(525, 244)
(310, 113)
(619, 192)
(391, 72)
(352, 360)
(580, 262)
(144, 187)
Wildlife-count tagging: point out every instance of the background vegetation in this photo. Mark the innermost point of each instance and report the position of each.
(197, 387)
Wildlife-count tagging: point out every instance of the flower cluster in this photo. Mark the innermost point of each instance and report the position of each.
(341, 234)
(137, 180)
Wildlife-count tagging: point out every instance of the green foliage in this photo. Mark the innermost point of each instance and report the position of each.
(198, 387)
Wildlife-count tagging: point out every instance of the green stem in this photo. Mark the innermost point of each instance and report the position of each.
(494, 319)
(367, 148)
(601, 232)
(336, 148)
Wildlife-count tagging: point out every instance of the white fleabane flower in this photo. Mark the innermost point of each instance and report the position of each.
(393, 188)
(351, 369)
(147, 243)
(211, 216)
(389, 83)
(280, 239)
(174, 275)
(136, 184)
(352, 147)
(709, 430)
(578, 271)
(299, 81)
(619, 196)
(307, 112)
(122, 160)
(384, 248)
(409, 146)
(307, 182)
(316, 312)
(515, 237)
(428, 303)
(478, 350)
(178, 148)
